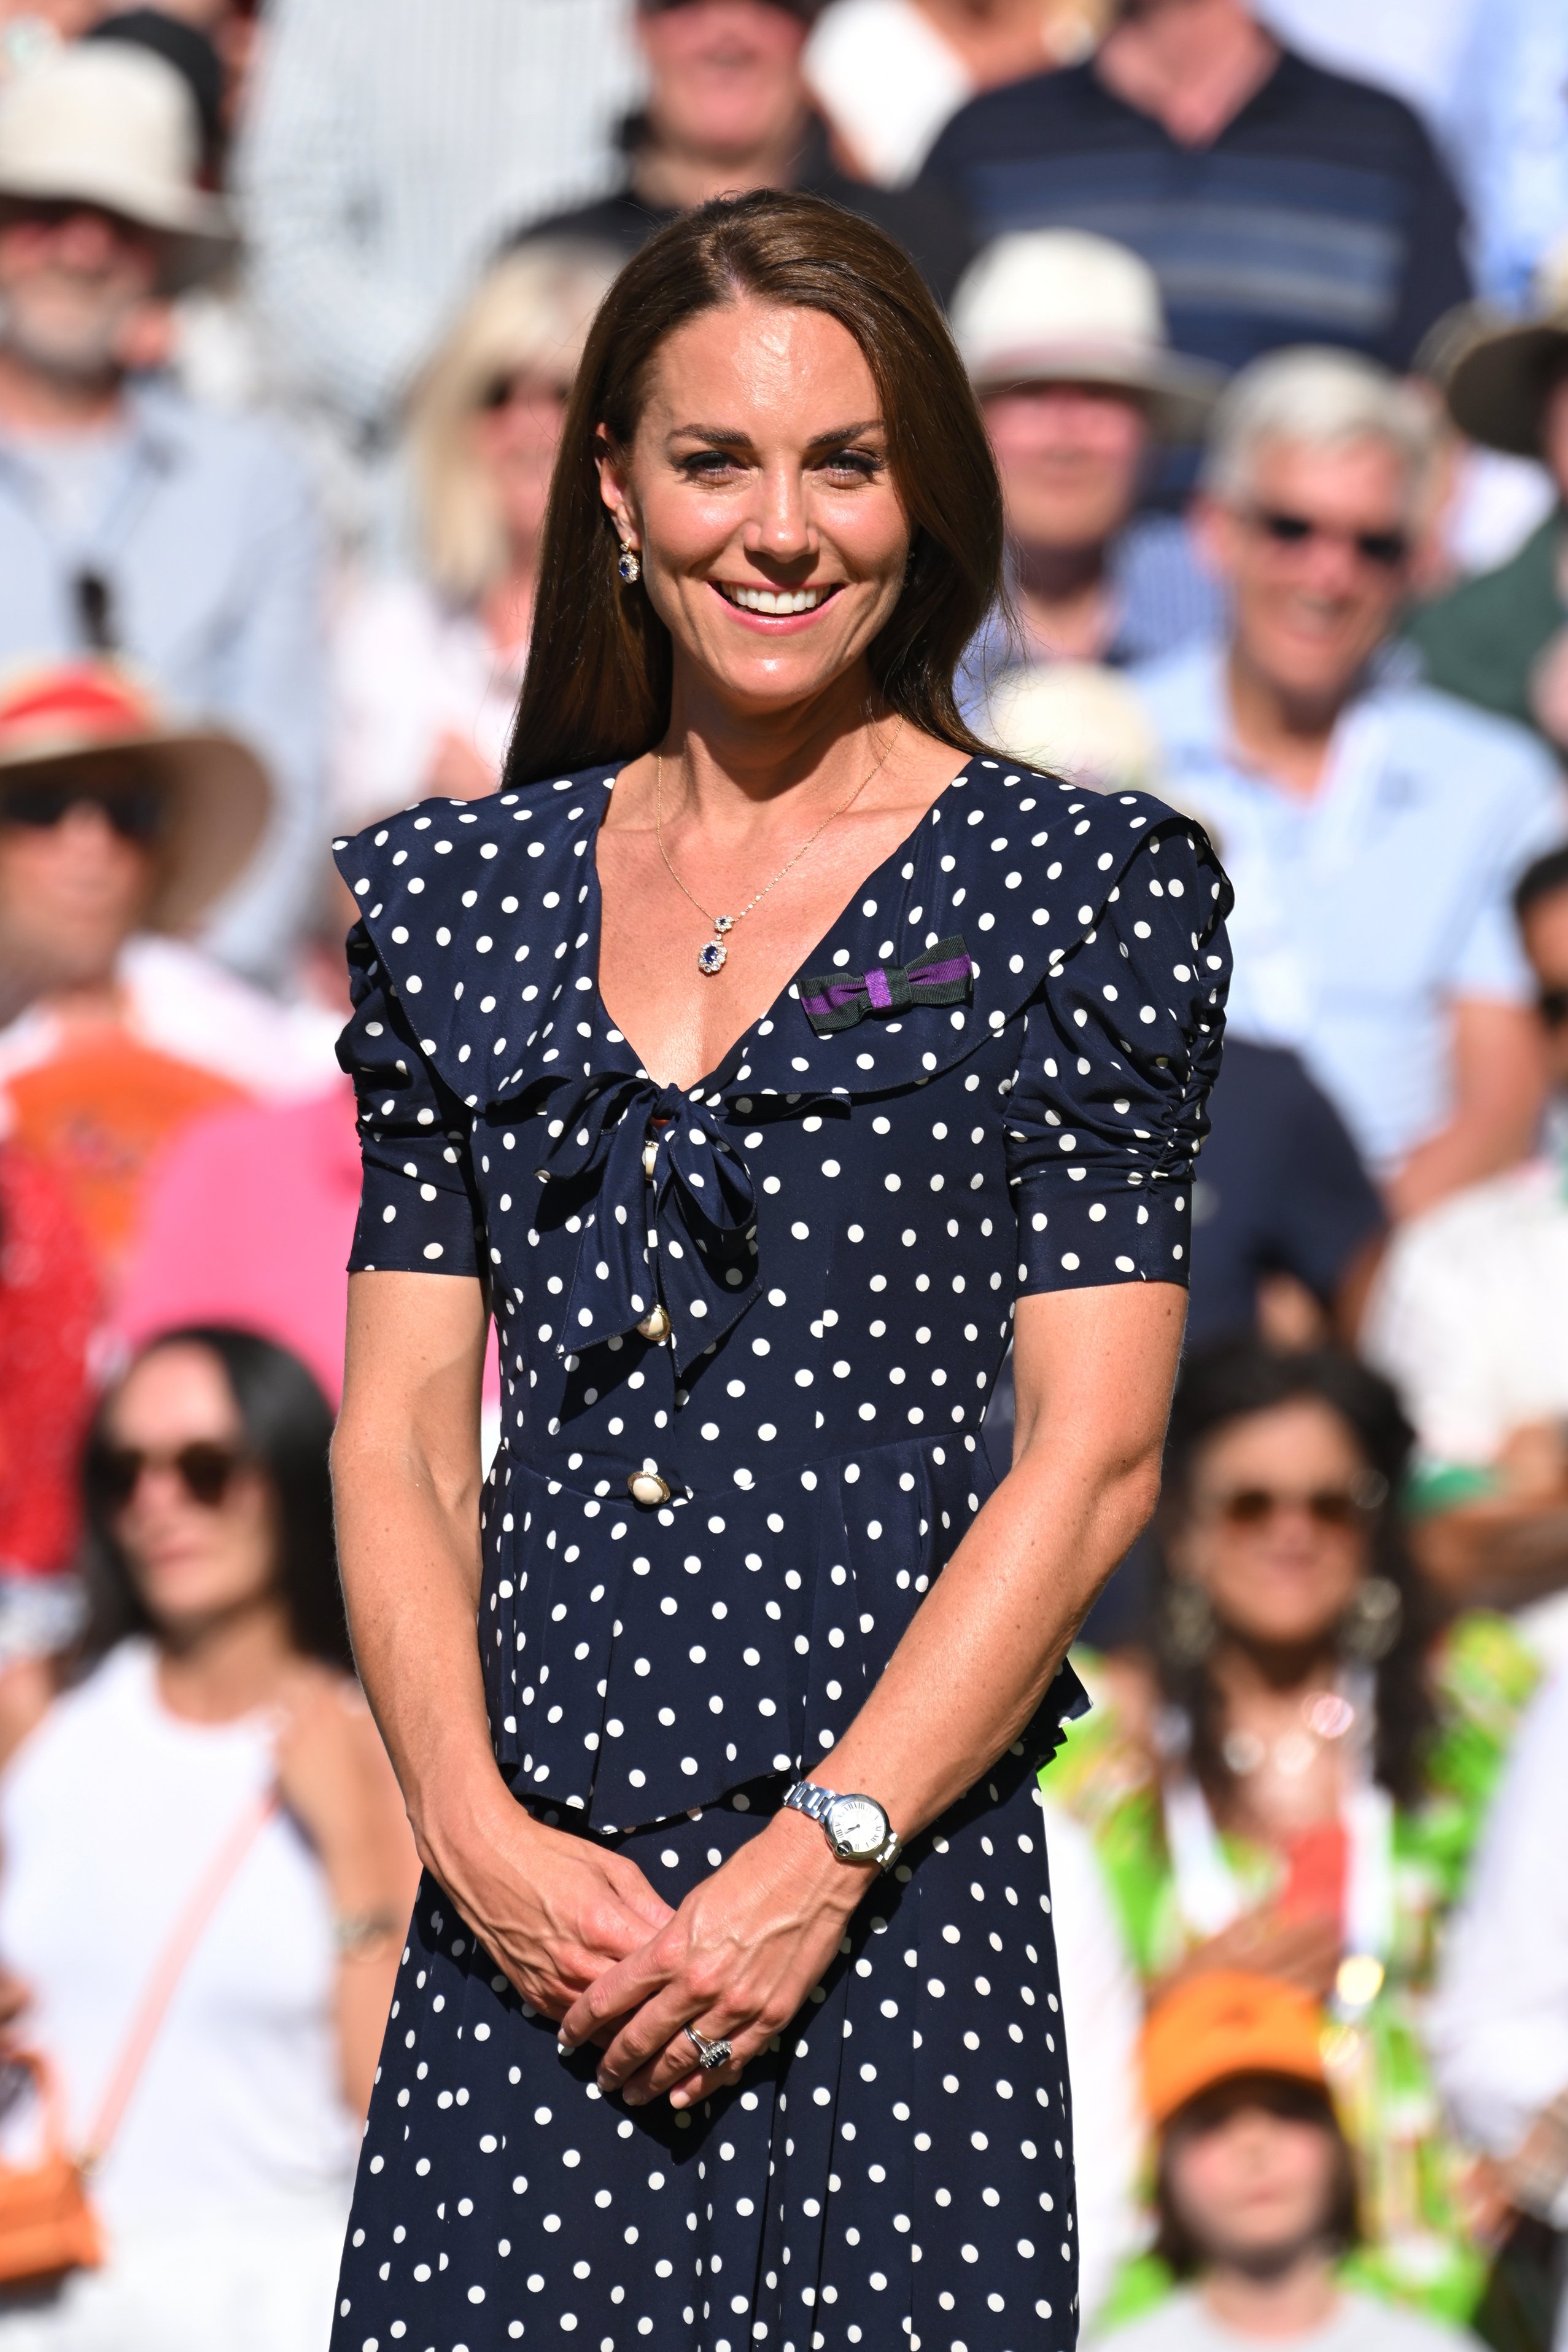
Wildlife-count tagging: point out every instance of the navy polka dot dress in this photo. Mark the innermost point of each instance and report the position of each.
(991, 1083)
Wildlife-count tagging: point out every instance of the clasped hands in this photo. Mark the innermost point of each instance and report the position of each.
(587, 1941)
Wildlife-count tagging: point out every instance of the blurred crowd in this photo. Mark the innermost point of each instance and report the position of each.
(1266, 305)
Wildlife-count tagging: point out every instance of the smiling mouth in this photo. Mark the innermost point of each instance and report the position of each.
(779, 602)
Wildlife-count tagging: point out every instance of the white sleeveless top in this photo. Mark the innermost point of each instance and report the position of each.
(111, 1814)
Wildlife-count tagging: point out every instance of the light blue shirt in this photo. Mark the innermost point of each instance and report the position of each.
(203, 526)
(1365, 909)
(1510, 137)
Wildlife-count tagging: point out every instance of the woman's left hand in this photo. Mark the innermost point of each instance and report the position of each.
(736, 1961)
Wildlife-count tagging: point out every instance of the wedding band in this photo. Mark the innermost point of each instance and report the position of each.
(709, 2053)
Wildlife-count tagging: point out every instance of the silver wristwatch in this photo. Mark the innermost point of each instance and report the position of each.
(856, 1827)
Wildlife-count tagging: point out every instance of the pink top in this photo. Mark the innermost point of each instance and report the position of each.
(247, 1220)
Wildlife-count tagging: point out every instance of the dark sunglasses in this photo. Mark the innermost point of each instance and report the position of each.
(502, 390)
(1552, 1006)
(1388, 550)
(1332, 1507)
(136, 814)
(207, 1471)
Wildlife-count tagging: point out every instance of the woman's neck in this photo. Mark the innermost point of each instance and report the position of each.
(226, 1666)
(733, 763)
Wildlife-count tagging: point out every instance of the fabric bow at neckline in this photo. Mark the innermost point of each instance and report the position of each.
(696, 1214)
(944, 974)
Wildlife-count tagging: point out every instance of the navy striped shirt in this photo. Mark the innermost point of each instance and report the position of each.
(1320, 214)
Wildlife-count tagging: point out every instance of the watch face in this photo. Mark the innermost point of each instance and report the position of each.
(858, 1827)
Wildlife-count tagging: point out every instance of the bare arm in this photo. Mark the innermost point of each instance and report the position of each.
(551, 1909)
(1093, 1371)
(1500, 1085)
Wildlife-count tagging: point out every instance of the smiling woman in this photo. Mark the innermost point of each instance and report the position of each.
(745, 1056)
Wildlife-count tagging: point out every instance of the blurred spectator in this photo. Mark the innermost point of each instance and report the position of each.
(1064, 341)
(1276, 203)
(1423, 57)
(1256, 2190)
(117, 830)
(1501, 640)
(49, 1308)
(1373, 828)
(1470, 1320)
(286, 1176)
(887, 74)
(428, 665)
(1509, 131)
(218, 1716)
(1499, 2025)
(388, 145)
(1284, 1214)
(132, 520)
(1295, 1778)
(727, 109)
(186, 44)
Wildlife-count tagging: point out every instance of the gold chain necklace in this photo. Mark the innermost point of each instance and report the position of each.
(712, 955)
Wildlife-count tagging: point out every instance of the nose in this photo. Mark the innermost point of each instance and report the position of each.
(780, 531)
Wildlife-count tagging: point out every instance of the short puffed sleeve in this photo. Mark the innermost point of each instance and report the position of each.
(1121, 1047)
(418, 1210)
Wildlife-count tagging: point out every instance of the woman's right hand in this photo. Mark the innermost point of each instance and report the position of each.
(553, 1911)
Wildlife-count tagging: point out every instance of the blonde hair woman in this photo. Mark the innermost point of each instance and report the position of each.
(429, 662)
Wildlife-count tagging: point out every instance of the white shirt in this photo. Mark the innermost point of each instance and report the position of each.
(1470, 1317)
(887, 82)
(1498, 2029)
(409, 669)
(1365, 909)
(1184, 2324)
(181, 1003)
(1102, 2011)
(109, 1816)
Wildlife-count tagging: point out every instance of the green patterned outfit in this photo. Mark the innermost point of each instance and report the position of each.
(1418, 2250)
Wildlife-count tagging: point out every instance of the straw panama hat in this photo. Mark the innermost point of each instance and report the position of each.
(108, 123)
(1223, 2023)
(1059, 304)
(217, 790)
(1497, 384)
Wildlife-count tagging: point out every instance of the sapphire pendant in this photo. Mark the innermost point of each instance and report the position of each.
(712, 957)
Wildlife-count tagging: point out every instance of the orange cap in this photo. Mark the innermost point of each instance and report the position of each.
(1224, 2022)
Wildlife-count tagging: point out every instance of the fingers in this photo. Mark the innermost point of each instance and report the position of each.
(621, 1990)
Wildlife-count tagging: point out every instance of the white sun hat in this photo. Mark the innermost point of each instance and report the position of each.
(1061, 305)
(109, 125)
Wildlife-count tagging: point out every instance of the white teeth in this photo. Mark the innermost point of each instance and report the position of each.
(776, 601)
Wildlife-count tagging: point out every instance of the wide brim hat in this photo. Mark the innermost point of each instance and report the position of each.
(217, 791)
(1066, 306)
(1224, 2024)
(1495, 375)
(108, 123)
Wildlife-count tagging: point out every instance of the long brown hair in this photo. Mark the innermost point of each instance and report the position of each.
(597, 683)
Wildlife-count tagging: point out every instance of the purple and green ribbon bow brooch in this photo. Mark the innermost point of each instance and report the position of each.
(838, 1000)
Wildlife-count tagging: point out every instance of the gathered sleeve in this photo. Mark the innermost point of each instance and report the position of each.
(1121, 1046)
(418, 1208)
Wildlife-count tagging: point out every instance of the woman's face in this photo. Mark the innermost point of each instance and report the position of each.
(1251, 2181)
(1273, 1531)
(517, 433)
(193, 1560)
(758, 492)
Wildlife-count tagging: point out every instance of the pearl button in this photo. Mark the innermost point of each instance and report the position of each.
(656, 1325)
(647, 1487)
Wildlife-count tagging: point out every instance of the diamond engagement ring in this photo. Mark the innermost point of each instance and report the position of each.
(709, 2053)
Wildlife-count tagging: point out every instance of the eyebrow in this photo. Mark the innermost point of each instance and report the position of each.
(730, 437)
